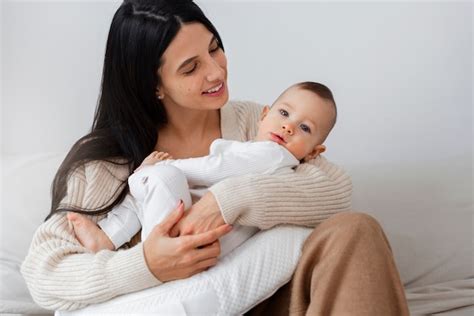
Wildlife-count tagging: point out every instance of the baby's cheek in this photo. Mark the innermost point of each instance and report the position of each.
(300, 150)
(292, 149)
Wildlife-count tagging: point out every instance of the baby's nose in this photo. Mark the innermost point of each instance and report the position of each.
(288, 129)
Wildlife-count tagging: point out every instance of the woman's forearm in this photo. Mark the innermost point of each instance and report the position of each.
(307, 196)
(61, 275)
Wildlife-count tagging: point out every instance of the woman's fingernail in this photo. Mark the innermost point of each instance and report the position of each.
(180, 204)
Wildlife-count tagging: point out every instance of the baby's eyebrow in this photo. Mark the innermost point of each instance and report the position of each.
(291, 107)
(312, 122)
(287, 104)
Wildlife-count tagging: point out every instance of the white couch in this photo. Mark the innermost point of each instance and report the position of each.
(402, 76)
(426, 210)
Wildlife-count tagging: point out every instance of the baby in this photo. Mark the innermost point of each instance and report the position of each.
(292, 131)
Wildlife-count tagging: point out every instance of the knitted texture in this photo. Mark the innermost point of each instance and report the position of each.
(241, 280)
(63, 275)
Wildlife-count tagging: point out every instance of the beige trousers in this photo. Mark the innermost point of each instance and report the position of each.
(347, 268)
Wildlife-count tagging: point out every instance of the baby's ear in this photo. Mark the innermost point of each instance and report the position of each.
(318, 149)
(264, 113)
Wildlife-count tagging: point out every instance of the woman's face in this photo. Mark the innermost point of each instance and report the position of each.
(194, 71)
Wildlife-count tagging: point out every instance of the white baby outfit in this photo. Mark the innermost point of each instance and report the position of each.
(156, 189)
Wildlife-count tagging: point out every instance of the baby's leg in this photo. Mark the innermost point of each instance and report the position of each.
(159, 189)
(88, 233)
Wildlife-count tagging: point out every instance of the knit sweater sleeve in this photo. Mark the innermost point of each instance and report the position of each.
(305, 196)
(63, 275)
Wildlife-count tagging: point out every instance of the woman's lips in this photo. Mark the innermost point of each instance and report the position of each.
(277, 138)
(215, 91)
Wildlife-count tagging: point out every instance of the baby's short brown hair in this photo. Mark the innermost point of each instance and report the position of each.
(323, 92)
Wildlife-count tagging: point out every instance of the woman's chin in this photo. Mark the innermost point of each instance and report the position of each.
(216, 103)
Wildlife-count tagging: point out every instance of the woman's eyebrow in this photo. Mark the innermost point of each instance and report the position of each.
(187, 62)
(191, 59)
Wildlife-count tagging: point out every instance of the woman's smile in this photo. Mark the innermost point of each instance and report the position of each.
(216, 91)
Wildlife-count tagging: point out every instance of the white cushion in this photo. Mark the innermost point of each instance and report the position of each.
(246, 276)
(26, 182)
(426, 209)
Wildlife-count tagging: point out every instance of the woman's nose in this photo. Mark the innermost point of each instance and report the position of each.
(287, 128)
(215, 72)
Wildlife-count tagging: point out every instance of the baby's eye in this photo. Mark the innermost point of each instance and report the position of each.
(283, 112)
(305, 128)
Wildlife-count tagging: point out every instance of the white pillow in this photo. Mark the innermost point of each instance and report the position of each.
(26, 182)
(426, 209)
(249, 274)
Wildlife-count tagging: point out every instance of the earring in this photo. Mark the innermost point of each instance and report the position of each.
(160, 96)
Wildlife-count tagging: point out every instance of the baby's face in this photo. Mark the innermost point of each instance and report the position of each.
(297, 120)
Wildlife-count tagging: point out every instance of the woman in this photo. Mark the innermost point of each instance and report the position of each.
(164, 88)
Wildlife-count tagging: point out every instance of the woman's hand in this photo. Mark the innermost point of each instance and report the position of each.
(204, 216)
(171, 258)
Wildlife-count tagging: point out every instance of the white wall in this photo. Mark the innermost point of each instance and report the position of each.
(401, 72)
(52, 62)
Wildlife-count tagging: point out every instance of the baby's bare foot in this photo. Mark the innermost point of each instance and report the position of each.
(88, 233)
(153, 158)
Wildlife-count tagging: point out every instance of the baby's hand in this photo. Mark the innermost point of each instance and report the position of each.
(153, 158)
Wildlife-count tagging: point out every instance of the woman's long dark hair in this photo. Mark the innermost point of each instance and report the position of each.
(129, 114)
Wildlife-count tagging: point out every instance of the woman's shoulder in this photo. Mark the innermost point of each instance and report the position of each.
(245, 107)
(239, 119)
(95, 183)
(114, 167)
(117, 168)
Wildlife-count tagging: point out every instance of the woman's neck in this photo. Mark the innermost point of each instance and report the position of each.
(191, 124)
(189, 133)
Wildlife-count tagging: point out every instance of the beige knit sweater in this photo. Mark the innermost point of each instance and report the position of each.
(63, 275)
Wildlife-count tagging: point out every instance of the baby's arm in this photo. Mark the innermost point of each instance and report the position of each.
(233, 159)
(202, 171)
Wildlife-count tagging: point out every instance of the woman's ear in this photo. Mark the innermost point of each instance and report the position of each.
(264, 113)
(158, 94)
(318, 149)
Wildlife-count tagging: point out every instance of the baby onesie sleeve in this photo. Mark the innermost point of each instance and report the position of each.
(233, 158)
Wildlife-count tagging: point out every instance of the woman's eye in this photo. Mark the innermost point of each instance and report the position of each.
(214, 46)
(283, 112)
(190, 70)
(305, 128)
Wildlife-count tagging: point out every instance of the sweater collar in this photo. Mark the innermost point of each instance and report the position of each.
(229, 127)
